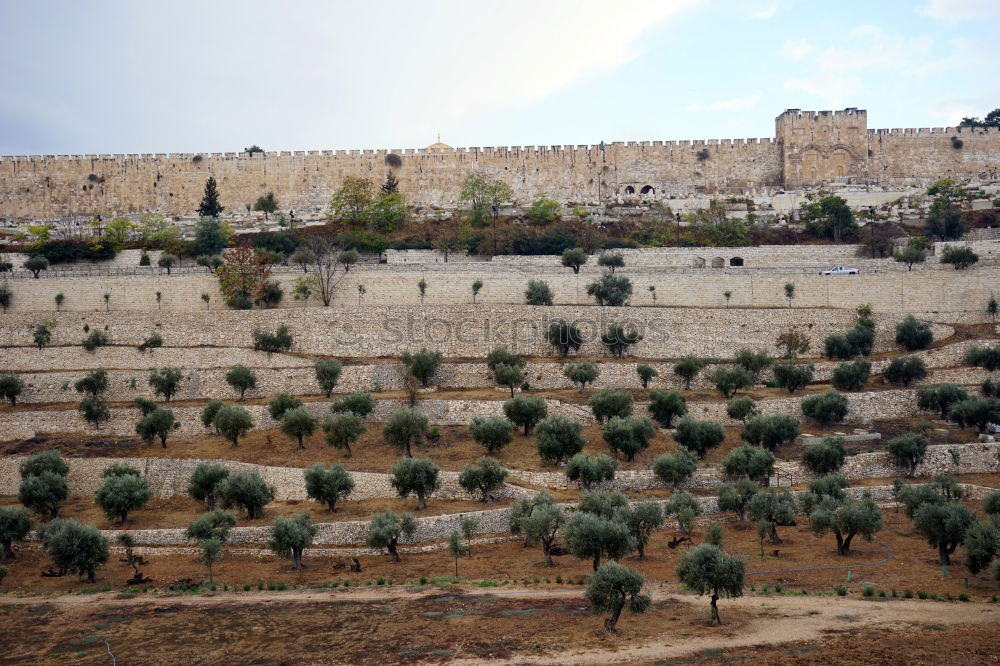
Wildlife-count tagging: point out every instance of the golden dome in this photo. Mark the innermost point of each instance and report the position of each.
(438, 147)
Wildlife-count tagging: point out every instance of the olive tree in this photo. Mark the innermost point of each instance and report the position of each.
(684, 508)
(582, 373)
(618, 339)
(281, 403)
(165, 381)
(204, 483)
(233, 422)
(591, 537)
(674, 469)
(754, 362)
(574, 257)
(213, 524)
(642, 519)
(628, 435)
(793, 376)
(158, 423)
(361, 404)
(525, 411)
(246, 490)
(415, 476)
(422, 364)
(774, 508)
(688, 368)
(291, 536)
(406, 427)
(538, 518)
(297, 424)
(492, 432)
(904, 370)
(242, 379)
(730, 380)
(770, 431)
(11, 386)
(537, 293)
(709, 570)
(483, 478)
(847, 519)
(826, 408)
(327, 375)
(665, 406)
(508, 376)
(587, 470)
(386, 529)
(698, 436)
(940, 398)
(851, 376)
(735, 498)
(565, 337)
(611, 261)
(611, 588)
(912, 334)
(43, 483)
(824, 456)
(75, 547)
(611, 290)
(607, 404)
(558, 438)
(908, 451)
(120, 494)
(976, 412)
(15, 523)
(343, 429)
(944, 526)
(209, 412)
(646, 374)
(328, 485)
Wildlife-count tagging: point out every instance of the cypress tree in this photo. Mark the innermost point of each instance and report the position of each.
(210, 206)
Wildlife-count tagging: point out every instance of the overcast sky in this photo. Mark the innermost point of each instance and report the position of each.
(213, 75)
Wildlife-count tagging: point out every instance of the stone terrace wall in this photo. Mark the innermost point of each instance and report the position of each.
(456, 331)
(928, 288)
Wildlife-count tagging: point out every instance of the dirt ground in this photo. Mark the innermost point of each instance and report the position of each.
(444, 625)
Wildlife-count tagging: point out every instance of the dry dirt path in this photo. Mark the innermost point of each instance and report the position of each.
(772, 620)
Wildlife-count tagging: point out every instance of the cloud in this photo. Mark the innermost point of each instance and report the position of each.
(795, 50)
(840, 72)
(762, 11)
(955, 11)
(731, 104)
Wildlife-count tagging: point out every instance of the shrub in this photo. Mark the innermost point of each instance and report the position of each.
(558, 438)
(272, 343)
(741, 409)
(851, 376)
(75, 548)
(607, 404)
(904, 370)
(628, 435)
(242, 379)
(749, 462)
(826, 408)
(664, 406)
(582, 373)
(688, 368)
(525, 411)
(422, 364)
(698, 436)
(793, 377)
(537, 293)
(908, 451)
(493, 432)
(729, 380)
(246, 490)
(611, 290)
(587, 471)
(674, 469)
(270, 295)
(770, 431)
(153, 341)
(483, 478)
(912, 335)
(825, 456)
(564, 337)
(793, 342)
(327, 375)
(94, 340)
(405, 428)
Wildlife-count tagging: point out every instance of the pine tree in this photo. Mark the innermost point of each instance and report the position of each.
(391, 184)
(210, 206)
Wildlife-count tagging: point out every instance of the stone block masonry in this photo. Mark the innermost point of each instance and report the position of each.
(809, 148)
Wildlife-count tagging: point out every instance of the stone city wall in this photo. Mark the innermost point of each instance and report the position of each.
(927, 288)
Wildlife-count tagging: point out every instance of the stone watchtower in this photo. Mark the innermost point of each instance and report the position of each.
(817, 146)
